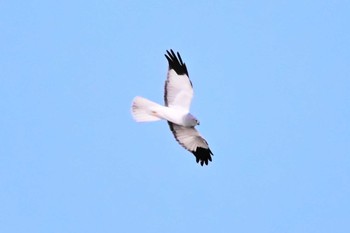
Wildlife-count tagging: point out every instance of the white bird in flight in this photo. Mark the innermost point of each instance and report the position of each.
(178, 93)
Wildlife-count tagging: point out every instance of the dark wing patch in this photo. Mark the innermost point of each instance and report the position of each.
(203, 155)
(176, 63)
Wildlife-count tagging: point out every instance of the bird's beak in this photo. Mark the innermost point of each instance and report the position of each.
(198, 123)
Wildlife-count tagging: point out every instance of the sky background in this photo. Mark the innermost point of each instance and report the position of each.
(271, 82)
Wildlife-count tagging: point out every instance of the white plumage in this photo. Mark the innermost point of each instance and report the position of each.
(178, 93)
(144, 110)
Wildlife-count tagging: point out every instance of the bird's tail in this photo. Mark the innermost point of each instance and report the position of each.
(144, 110)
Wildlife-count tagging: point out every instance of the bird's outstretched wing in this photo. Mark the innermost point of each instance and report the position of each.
(192, 141)
(178, 91)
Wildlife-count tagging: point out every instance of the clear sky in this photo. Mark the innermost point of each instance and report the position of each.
(272, 93)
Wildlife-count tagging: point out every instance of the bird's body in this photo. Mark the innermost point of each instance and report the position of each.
(177, 97)
(145, 110)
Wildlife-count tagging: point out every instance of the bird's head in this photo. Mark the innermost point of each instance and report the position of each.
(191, 120)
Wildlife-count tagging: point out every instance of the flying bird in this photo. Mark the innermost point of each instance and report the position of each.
(178, 93)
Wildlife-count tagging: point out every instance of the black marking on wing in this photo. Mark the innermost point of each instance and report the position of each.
(203, 155)
(176, 62)
(166, 93)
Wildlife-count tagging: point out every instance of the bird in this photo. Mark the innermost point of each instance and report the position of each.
(178, 94)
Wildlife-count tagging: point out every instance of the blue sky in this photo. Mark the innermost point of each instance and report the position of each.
(271, 80)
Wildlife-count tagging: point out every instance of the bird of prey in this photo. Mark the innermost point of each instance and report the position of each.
(178, 93)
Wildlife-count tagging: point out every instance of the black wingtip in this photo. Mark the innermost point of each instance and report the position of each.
(176, 63)
(203, 155)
